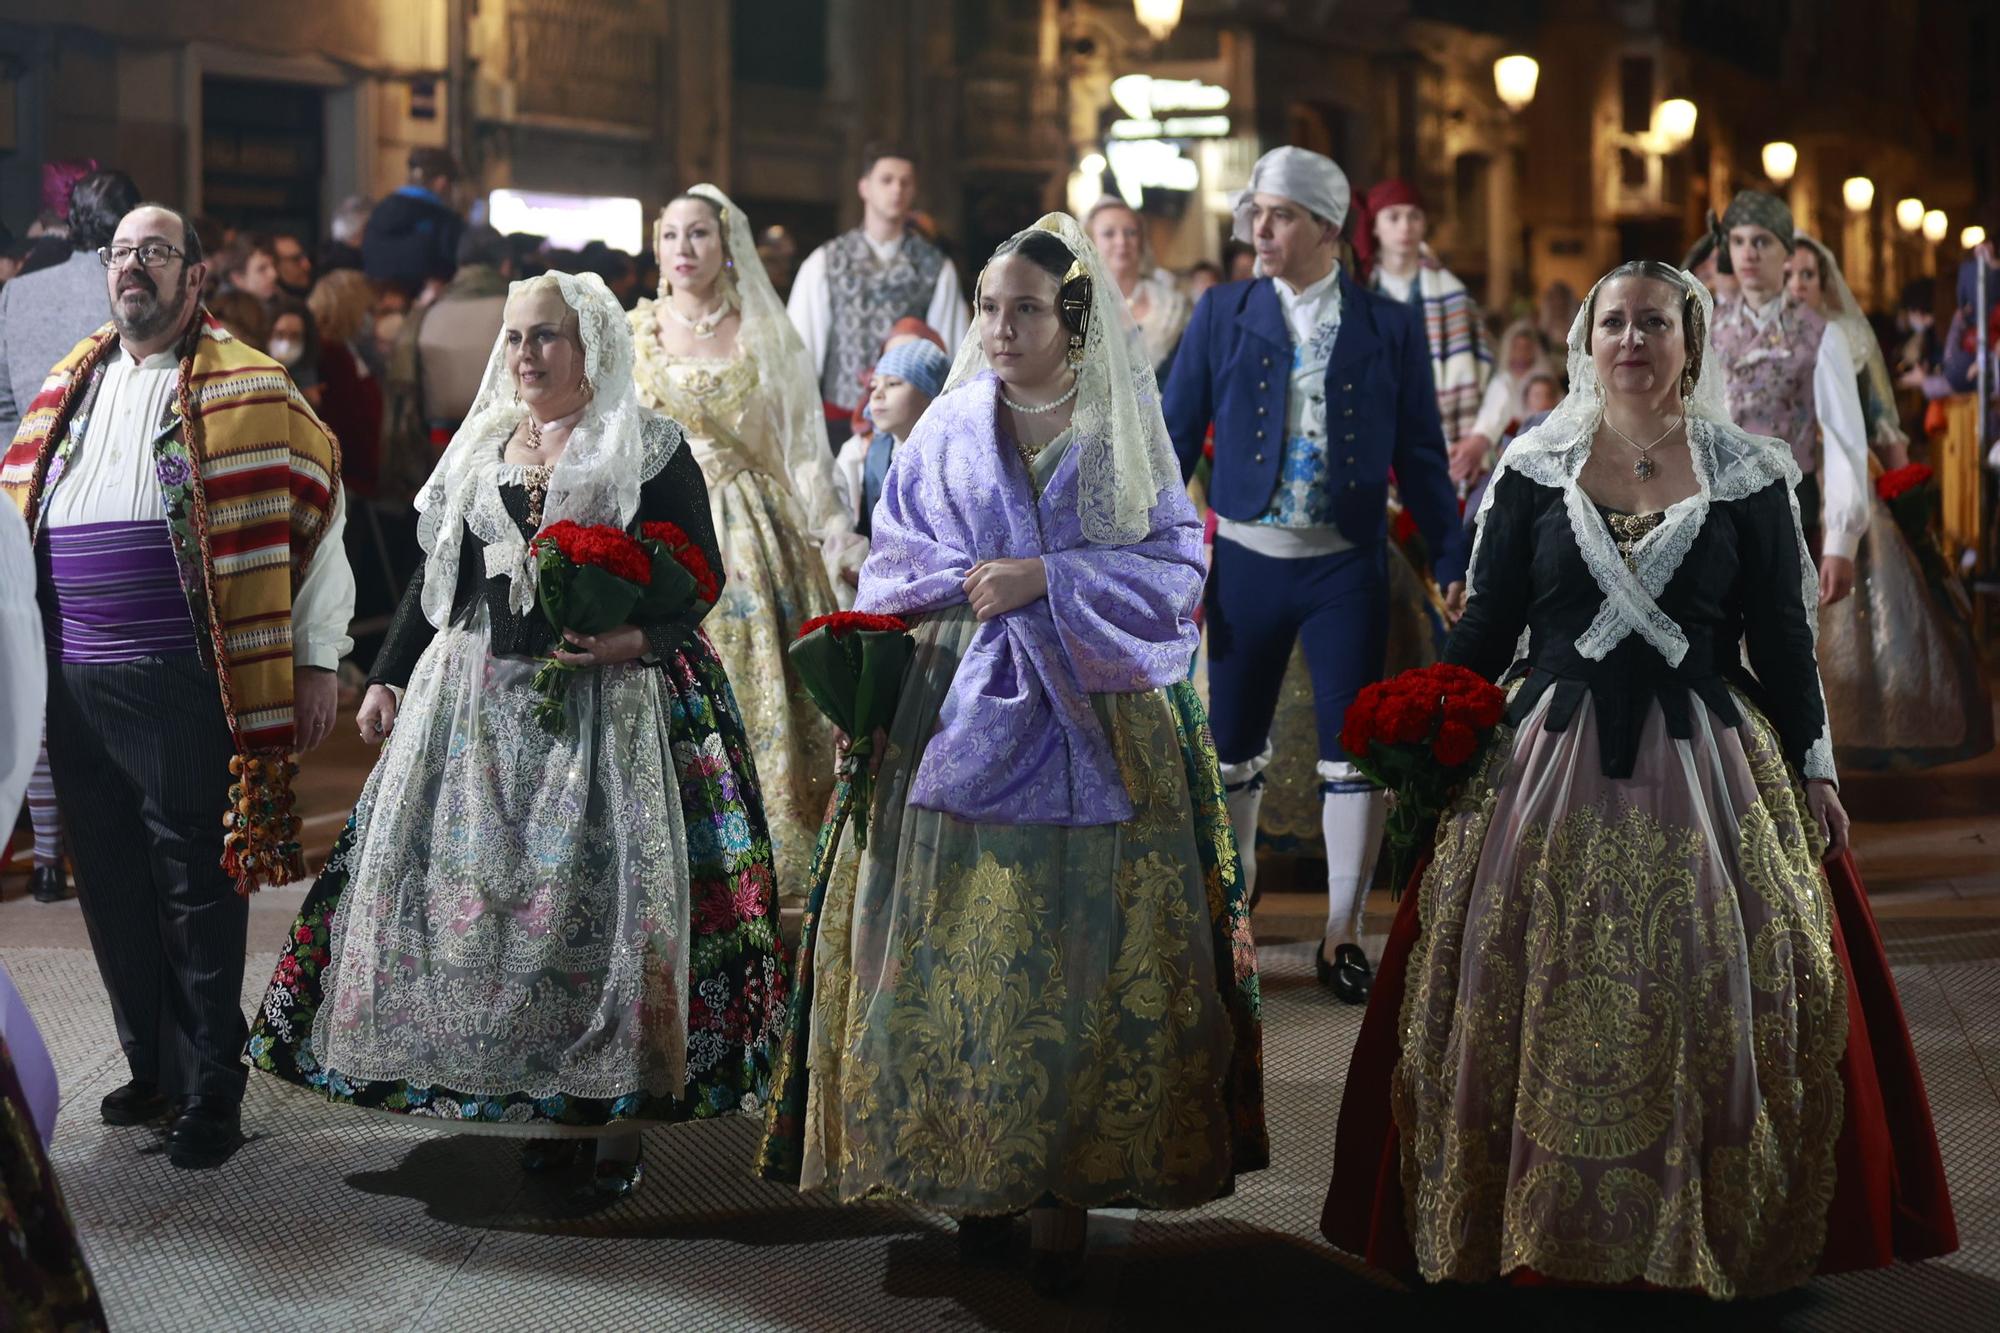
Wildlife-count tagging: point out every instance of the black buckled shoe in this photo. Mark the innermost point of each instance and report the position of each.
(1055, 1274)
(137, 1103)
(49, 884)
(1348, 976)
(206, 1134)
(612, 1181)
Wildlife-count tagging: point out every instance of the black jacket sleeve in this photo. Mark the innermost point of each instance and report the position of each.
(1777, 621)
(410, 632)
(677, 494)
(1496, 607)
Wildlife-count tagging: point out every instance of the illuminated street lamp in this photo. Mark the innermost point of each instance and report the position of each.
(1158, 17)
(1972, 237)
(1859, 192)
(1514, 78)
(1910, 214)
(1936, 224)
(1780, 161)
(1673, 124)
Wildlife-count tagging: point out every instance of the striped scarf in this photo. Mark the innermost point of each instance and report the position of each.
(248, 482)
(1461, 362)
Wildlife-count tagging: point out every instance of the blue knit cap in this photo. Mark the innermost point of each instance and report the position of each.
(916, 362)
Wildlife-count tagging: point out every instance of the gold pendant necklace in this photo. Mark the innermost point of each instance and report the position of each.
(1643, 468)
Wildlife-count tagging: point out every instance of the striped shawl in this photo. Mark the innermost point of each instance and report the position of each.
(247, 477)
(1461, 361)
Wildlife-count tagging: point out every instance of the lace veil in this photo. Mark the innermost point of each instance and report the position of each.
(609, 454)
(1842, 309)
(1124, 457)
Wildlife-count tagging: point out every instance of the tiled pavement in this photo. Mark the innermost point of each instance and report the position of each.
(331, 1220)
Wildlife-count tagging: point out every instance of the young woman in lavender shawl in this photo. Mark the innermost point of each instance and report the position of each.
(1035, 989)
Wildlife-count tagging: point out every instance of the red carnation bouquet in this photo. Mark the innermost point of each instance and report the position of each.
(596, 578)
(852, 664)
(1911, 493)
(1417, 734)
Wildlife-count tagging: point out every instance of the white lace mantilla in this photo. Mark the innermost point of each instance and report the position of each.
(1729, 464)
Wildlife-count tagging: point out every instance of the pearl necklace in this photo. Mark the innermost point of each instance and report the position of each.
(1643, 468)
(1074, 384)
(703, 326)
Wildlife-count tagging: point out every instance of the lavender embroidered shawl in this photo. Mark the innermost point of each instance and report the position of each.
(1017, 740)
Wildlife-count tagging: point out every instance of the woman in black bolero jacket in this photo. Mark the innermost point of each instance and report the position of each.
(1619, 1036)
(559, 930)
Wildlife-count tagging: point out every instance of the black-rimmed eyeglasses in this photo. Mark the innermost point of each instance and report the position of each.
(153, 254)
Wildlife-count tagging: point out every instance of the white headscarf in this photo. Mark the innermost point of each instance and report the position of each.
(1125, 460)
(1311, 180)
(597, 479)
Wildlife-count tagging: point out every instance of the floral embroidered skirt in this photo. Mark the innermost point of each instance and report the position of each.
(519, 972)
(1627, 1033)
(1905, 686)
(992, 1017)
(776, 583)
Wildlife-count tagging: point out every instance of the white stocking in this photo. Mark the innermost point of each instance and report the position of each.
(1351, 817)
(1243, 794)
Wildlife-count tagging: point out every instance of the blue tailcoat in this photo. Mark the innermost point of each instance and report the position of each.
(1233, 368)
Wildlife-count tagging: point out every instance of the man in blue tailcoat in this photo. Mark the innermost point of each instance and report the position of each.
(1317, 389)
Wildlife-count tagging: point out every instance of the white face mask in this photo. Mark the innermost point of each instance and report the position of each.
(388, 327)
(287, 351)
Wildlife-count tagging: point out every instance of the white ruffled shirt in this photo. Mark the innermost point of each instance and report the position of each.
(1843, 471)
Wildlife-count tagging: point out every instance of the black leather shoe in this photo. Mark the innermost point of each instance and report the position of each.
(1348, 976)
(985, 1240)
(207, 1134)
(137, 1103)
(542, 1155)
(49, 884)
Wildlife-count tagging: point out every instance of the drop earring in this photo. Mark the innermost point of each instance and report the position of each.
(1075, 354)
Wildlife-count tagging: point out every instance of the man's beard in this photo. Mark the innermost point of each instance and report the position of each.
(152, 317)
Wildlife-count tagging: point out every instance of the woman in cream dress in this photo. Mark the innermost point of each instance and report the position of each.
(717, 354)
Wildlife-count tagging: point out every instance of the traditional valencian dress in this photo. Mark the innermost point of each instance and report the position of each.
(532, 928)
(1036, 984)
(754, 424)
(1627, 1029)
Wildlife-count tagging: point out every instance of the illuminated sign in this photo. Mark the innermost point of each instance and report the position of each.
(1142, 164)
(1173, 127)
(1143, 97)
(571, 221)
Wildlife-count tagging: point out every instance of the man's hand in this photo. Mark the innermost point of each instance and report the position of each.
(995, 587)
(1454, 603)
(1836, 578)
(315, 697)
(1468, 457)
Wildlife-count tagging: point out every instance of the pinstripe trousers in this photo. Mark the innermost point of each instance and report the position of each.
(140, 752)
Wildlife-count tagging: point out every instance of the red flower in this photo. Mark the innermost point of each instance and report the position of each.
(612, 550)
(1404, 529)
(1455, 744)
(1901, 480)
(848, 622)
(687, 555)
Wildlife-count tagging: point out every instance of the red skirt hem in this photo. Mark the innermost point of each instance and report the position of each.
(1890, 1199)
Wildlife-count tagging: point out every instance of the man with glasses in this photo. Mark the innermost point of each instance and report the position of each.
(42, 314)
(185, 504)
(295, 266)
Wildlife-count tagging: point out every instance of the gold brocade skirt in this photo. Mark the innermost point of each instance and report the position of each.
(1623, 1018)
(1905, 687)
(775, 583)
